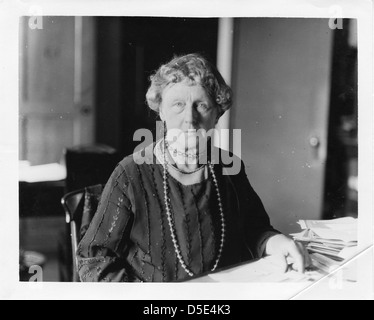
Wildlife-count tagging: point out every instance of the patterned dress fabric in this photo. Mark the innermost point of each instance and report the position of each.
(129, 239)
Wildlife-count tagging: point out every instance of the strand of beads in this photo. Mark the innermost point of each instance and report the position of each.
(222, 216)
(171, 222)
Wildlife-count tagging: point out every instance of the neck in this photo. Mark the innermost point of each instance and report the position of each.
(187, 161)
(183, 163)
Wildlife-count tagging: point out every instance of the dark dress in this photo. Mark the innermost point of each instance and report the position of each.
(129, 239)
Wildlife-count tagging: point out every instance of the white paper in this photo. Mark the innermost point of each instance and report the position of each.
(265, 270)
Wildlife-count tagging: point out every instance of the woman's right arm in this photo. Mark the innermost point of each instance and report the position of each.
(101, 252)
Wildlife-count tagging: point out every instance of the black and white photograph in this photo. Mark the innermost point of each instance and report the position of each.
(190, 151)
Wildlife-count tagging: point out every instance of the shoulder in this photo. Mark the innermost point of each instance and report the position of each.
(227, 157)
(136, 160)
(127, 173)
(231, 163)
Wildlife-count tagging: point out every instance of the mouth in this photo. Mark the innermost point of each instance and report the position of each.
(191, 132)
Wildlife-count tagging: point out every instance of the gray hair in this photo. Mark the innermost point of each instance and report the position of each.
(196, 69)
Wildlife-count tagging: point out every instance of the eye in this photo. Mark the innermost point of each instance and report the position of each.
(179, 105)
(203, 107)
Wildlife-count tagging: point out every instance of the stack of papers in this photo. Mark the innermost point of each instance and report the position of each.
(330, 242)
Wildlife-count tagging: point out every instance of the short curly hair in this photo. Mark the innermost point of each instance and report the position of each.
(196, 69)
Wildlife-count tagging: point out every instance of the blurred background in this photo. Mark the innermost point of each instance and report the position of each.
(82, 96)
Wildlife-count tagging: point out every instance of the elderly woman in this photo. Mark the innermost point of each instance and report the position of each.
(174, 215)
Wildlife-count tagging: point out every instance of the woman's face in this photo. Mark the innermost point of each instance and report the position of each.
(188, 109)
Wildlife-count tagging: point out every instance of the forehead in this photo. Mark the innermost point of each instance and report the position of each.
(185, 90)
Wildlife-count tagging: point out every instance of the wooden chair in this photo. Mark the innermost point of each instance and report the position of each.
(80, 207)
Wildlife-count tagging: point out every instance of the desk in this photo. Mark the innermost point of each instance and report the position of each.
(263, 280)
(41, 199)
(41, 189)
(266, 270)
(42, 224)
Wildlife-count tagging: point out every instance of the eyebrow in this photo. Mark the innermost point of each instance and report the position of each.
(182, 99)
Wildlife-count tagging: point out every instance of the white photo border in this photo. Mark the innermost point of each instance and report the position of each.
(10, 13)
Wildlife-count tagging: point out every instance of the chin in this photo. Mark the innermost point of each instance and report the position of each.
(188, 141)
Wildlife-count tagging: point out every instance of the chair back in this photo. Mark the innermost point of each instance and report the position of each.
(80, 207)
(89, 165)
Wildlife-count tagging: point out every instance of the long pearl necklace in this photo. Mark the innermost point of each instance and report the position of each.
(172, 225)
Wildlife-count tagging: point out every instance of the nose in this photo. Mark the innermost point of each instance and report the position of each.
(190, 116)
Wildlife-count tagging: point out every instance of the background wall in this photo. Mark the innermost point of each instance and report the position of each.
(282, 74)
